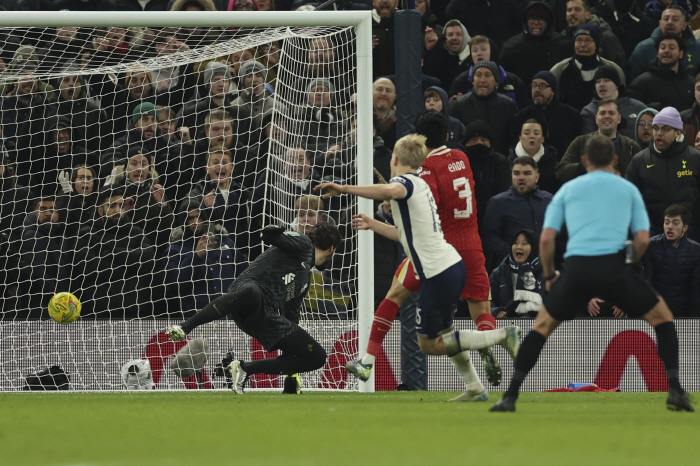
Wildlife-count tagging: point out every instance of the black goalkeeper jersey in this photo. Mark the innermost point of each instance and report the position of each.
(282, 273)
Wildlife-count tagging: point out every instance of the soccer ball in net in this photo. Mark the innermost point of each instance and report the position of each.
(64, 307)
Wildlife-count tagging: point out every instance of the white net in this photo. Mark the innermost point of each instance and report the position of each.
(138, 168)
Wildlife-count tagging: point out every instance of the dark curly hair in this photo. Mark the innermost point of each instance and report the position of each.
(324, 236)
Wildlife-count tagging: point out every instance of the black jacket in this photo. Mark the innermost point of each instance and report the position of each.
(546, 166)
(661, 87)
(667, 178)
(442, 64)
(563, 123)
(495, 109)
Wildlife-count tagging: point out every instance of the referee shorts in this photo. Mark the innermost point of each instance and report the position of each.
(476, 287)
(606, 277)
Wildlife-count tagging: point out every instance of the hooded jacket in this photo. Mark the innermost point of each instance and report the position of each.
(526, 55)
(455, 127)
(661, 87)
(573, 89)
(653, 112)
(496, 109)
(645, 53)
(667, 178)
(446, 65)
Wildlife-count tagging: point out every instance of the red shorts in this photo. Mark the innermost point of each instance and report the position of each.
(477, 286)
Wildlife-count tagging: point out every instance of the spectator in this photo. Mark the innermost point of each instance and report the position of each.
(323, 123)
(76, 205)
(667, 171)
(532, 144)
(520, 208)
(644, 124)
(672, 264)
(221, 198)
(672, 21)
(575, 75)
(253, 96)
(202, 260)
(627, 21)
(120, 102)
(198, 36)
(446, 57)
(497, 19)
(538, 47)
(65, 45)
(561, 122)
(116, 268)
(691, 121)
(578, 12)
(655, 9)
(667, 83)
(172, 85)
(428, 19)
(167, 127)
(309, 211)
(435, 98)
(383, 55)
(517, 282)
(484, 103)
(607, 120)
(269, 55)
(491, 169)
(145, 197)
(608, 86)
(482, 48)
(325, 60)
(43, 268)
(384, 95)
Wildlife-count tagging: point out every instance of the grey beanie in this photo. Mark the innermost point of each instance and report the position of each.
(214, 69)
(323, 81)
(252, 66)
(488, 64)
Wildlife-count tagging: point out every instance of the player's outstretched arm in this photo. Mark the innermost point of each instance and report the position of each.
(378, 192)
(365, 222)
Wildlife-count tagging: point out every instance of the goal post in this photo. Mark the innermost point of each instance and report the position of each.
(92, 349)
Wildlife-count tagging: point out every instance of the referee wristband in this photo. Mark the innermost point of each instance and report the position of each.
(551, 277)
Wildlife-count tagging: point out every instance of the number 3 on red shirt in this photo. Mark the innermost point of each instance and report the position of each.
(461, 185)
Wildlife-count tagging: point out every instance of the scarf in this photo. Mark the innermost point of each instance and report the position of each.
(520, 152)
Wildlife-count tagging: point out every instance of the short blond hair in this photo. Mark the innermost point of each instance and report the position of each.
(308, 202)
(411, 150)
(219, 150)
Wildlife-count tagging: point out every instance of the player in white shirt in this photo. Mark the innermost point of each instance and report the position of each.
(438, 264)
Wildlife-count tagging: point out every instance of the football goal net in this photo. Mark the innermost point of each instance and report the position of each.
(142, 154)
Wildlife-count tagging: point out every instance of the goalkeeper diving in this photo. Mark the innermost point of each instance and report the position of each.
(265, 302)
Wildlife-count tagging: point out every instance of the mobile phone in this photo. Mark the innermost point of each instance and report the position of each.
(211, 231)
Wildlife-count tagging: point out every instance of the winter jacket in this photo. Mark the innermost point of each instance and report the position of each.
(629, 109)
(662, 87)
(86, 118)
(627, 21)
(571, 166)
(675, 273)
(455, 127)
(610, 47)
(645, 53)
(563, 123)
(573, 89)
(383, 56)
(667, 178)
(496, 109)
(508, 212)
(546, 167)
(525, 54)
(691, 122)
(653, 112)
(509, 85)
(445, 65)
(198, 280)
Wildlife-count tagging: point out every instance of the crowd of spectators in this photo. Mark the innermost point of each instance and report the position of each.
(143, 188)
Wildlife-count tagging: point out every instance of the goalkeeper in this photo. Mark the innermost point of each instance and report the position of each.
(265, 302)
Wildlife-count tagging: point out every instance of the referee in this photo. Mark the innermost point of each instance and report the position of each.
(595, 265)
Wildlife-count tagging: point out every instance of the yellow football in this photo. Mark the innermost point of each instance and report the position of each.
(64, 307)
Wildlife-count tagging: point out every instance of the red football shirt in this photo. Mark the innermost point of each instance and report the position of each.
(449, 175)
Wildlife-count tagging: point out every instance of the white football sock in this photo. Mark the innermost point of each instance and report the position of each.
(472, 339)
(462, 362)
(368, 359)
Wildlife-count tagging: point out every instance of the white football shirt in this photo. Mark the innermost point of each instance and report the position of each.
(420, 231)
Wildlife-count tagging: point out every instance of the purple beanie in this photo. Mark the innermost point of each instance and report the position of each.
(669, 116)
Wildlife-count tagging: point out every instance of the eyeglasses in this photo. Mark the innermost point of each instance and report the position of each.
(644, 124)
(85, 178)
(662, 129)
(536, 20)
(540, 86)
(583, 40)
(243, 6)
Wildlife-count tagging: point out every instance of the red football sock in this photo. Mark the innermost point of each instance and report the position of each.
(485, 322)
(383, 318)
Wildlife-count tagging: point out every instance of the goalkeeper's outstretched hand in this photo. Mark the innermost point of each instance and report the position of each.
(270, 232)
(333, 189)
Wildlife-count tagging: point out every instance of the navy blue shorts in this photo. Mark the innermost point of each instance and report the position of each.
(438, 301)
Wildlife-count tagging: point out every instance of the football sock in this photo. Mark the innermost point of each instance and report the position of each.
(462, 362)
(668, 352)
(240, 304)
(216, 309)
(530, 350)
(383, 319)
(485, 322)
(463, 340)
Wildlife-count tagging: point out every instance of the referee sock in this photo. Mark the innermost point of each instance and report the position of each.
(528, 354)
(668, 352)
(216, 309)
(383, 320)
(462, 363)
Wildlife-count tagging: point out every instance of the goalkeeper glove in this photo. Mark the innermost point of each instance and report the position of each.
(271, 232)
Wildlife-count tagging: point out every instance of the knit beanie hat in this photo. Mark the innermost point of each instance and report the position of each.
(549, 77)
(608, 72)
(252, 66)
(487, 64)
(146, 108)
(214, 69)
(322, 81)
(669, 116)
(478, 128)
(591, 30)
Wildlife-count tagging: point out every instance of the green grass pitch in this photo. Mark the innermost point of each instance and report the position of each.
(321, 428)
